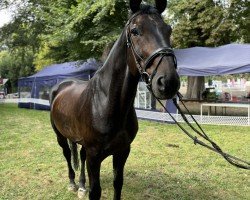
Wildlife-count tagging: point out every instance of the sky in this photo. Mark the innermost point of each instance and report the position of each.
(5, 17)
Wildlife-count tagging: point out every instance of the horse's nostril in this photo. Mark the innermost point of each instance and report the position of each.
(161, 82)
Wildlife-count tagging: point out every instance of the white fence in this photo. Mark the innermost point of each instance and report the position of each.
(26, 100)
(216, 120)
(164, 117)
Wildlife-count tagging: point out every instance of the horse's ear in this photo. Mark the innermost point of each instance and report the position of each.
(160, 5)
(135, 5)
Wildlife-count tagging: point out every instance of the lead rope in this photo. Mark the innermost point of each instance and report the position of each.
(229, 158)
(148, 79)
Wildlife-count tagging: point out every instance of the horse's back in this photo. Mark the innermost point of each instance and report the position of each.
(64, 84)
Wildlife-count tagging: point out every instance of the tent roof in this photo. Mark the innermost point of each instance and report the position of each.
(204, 61)
(67, 68)
(196, 61)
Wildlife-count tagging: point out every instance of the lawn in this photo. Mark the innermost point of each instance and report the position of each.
(163, 163)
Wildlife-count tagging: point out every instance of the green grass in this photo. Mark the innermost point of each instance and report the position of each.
(32, 165)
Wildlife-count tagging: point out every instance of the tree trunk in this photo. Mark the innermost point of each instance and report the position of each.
(196, 85)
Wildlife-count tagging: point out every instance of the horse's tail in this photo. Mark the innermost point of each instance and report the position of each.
(74, 153)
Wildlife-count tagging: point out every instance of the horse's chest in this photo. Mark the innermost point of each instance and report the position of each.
(121, 140)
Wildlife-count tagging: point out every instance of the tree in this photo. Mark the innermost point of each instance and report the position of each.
(19, 43)
(15, 65)
(195, 24)
(238, 12)
(83, 29)
(42, 33)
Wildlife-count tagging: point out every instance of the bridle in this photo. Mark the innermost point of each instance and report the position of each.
(162, 52)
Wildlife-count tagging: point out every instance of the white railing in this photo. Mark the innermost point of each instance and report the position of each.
(216, 120)
(26, 100)
(161, 116)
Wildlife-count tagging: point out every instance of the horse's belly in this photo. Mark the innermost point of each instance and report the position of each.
(67, 125)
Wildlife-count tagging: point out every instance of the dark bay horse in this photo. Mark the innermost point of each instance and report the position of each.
(99, 115)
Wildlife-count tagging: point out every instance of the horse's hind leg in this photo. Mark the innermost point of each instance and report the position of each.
(62, 141)
(119, 161)
(82, 180)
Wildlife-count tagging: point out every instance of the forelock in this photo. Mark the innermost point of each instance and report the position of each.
(146, 9)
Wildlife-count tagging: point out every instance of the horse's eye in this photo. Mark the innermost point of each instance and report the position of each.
(135, 31)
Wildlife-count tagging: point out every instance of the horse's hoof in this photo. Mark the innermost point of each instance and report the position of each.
(82, 193)
(72, 187)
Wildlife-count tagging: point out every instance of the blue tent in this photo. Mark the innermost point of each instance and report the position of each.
(197, 61)
(205, 61)
(34, 90)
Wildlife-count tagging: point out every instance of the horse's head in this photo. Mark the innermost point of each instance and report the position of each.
(148, 38)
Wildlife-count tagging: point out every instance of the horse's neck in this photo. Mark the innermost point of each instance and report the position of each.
(118, 86)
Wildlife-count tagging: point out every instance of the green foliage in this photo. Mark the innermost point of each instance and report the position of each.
(63, 30)
(41, 59)
(77, 30)
(19, 41)
(16, 64)
(208, 22)
(240, 15)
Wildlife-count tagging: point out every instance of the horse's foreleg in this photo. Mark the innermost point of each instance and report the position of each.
(119, 161)
(93, 167)
(82, 180)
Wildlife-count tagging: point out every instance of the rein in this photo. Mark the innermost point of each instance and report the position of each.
(237, 162)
